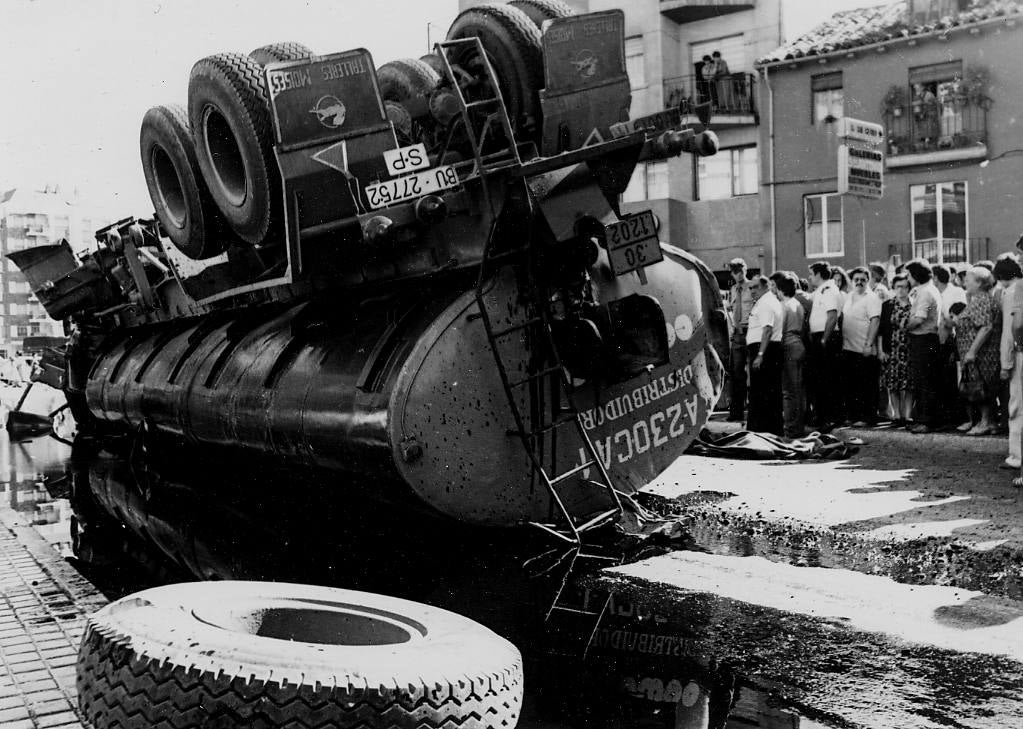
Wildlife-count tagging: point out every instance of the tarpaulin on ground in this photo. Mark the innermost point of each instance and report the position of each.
(750, 445)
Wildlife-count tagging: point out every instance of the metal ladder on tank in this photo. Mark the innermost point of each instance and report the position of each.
(566, 527)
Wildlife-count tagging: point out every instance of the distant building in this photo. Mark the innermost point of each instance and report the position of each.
(944, 78)
(709, 206)
(29, 218)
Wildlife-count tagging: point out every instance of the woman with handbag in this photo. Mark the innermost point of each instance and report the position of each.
(978, 352)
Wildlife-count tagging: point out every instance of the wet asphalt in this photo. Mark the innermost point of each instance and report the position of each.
(755, 616)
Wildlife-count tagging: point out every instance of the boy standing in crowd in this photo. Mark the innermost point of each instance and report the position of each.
(740, 303)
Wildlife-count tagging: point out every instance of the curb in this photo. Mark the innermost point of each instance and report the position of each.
(952, 441)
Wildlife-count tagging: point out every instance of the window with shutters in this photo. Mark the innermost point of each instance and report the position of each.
(649, 182)
(939, 221)
(729, 173)
(828, 97)
(822, 225)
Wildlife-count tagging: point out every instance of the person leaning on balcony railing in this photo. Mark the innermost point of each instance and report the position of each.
(722, 80)
(707, 88)
(1009, 274)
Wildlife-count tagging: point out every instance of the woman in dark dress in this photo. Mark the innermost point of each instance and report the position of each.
(977, 346)
(894, 351)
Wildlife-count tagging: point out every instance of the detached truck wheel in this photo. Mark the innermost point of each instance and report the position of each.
(541, 10)
(284, 51)
(229, 110)
(180, 198)
(232, 654)
(406, 78)
(512, 43)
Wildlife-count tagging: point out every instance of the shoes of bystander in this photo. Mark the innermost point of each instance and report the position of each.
(921, 429)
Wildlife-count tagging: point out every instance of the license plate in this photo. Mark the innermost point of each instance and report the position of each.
(400, 189)
(635, 255)
(632, 243)
(666, 119)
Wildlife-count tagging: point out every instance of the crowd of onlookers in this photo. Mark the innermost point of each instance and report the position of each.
(16, 369)
(918, 345)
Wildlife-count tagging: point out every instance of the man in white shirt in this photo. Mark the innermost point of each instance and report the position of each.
(1008, 273)
(861, 317)
(763, 341)
(822, 356)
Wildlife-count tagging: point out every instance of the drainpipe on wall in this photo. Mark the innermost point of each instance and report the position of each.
(770, 171)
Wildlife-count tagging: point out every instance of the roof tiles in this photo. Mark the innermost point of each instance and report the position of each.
(881, 23)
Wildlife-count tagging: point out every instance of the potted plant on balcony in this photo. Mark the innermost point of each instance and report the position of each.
(976, 84)
(894, 101)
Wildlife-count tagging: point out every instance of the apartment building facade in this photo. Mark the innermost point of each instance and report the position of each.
(31, 217)
(941, 77)
(708, 206)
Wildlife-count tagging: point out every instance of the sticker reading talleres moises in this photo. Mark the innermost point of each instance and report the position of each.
(325, 98)
(583, 51)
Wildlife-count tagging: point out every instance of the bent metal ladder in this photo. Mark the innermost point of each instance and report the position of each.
(547, 369)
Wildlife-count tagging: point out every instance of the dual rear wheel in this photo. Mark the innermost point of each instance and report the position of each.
(210, 168)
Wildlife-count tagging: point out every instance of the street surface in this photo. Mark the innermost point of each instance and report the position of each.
(880, 591)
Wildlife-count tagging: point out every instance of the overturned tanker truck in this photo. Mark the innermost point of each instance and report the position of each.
(417, 277)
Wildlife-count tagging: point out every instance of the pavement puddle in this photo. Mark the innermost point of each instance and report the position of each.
(942, 617)
(919, 530)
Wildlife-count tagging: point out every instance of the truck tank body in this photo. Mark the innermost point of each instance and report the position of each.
(402, 390)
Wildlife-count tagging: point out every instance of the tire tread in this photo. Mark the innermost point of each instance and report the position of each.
(281, 51)
(245, 77)
(541, 10)
(120, 687)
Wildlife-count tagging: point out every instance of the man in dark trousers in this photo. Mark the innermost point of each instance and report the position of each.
(764, 343)
(822, 357)
(740, 304)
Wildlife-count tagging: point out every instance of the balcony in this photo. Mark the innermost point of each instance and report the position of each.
(952, 131)
(688, 11)
(942, 250)
(730, 99)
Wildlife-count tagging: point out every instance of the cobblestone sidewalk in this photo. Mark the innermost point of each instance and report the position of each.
(43, 604)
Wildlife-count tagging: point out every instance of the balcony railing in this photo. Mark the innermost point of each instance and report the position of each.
(729, 95)
(943, 250)
(954, 124)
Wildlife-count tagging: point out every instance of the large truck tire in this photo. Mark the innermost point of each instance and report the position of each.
(406, 78)
(232, 654)
(180, 197)
(541, 10)
(512, 42)
(434, 61)
(284, 51)
(229, 110)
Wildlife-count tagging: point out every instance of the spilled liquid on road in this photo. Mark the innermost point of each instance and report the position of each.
(677, 640)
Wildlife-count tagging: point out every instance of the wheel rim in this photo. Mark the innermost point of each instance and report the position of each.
(313, 621)
(225, 156)
(169, 189)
